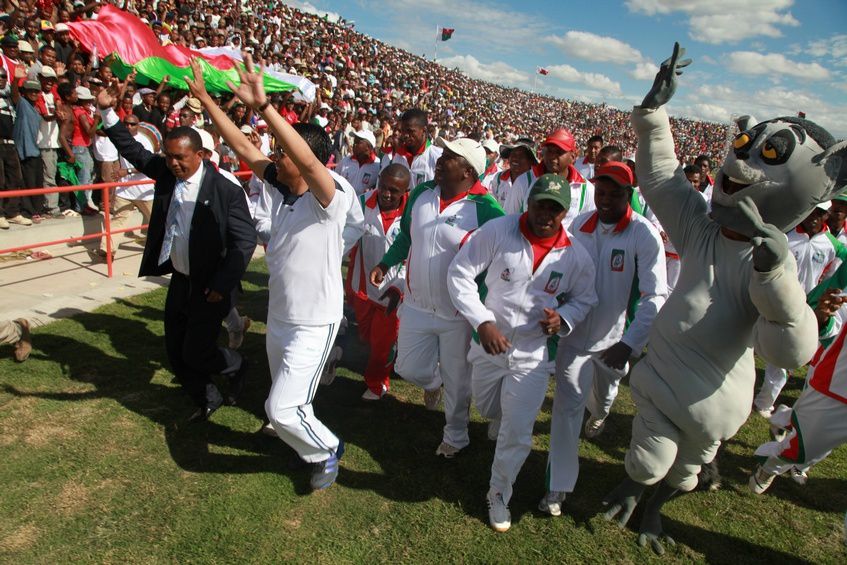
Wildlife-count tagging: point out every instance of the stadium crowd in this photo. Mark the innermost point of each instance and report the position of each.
(425, 180)
(362, 82)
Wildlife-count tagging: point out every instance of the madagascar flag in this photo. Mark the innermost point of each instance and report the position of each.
(446, 33)
(130, 44)
(542, 71)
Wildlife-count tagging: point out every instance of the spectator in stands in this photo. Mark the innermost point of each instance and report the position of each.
(10, 167)
(84, 125)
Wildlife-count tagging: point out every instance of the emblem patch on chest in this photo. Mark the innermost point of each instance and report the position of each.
(366, 179)
(818, 257)
(506, 275)
(451, 221)
(618, 256)
(553, 283)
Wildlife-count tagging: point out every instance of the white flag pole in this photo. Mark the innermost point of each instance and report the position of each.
(437, 31)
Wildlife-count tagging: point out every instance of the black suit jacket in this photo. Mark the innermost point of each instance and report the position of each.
(222, 237)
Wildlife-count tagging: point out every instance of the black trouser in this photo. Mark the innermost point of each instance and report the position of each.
(192, 327)
(32, 171)
(10, 177)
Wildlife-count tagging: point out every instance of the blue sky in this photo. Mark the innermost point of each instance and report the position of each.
(759, 57)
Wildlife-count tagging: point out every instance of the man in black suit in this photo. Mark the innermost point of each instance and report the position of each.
(201, 232)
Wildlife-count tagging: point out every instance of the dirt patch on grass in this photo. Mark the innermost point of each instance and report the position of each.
(72, 498)
(21, 539)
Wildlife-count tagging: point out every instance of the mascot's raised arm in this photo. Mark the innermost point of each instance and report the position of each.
(737, 291)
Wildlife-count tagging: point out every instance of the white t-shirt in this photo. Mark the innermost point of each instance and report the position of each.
(304, 255)
(137, 192)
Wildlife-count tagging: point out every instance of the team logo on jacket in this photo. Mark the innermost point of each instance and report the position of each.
(553, 283)
(617, 260)
(366, 179)
(451, 221)
(818, 257)
(506, 275)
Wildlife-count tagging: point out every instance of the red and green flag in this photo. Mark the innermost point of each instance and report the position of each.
(131, 45)
(445, 33)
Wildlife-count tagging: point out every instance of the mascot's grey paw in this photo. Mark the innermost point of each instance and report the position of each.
(664, 85)
(622, 501)
(655, 541)
(651, 531)
(770, 248)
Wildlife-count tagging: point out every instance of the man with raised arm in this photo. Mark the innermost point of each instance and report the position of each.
(201, 233)
(304, 261)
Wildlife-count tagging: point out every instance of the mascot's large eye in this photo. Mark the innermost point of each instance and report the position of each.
(741, 140)
(769, 151)
(778, 147)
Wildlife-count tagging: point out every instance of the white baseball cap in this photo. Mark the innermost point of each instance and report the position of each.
(471, 150)
(491, 145)
(83, 93)
(825, 205)
(47, 72)
(366, 135)
(206, 140)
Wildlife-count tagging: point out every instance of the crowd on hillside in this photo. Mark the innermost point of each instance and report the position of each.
(50, 134)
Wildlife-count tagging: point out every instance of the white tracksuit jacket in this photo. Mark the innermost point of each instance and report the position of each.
(509, 193)
(423, 165)
(514, 297)
(633, 248)
(369, 251)
(816, 256)
(429, 240)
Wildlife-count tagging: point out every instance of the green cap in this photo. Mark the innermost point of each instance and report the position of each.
(842, 197)
(552, 187)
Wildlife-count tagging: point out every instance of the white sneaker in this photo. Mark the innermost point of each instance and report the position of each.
(20, 220)
(370, 395)
(760, 480)
(329, 368)
(236, 338)
(432, 398)
(4, 224)
(799, 476)
(498, 513)
(765, 413)
(269, 430)
(552, 503)
(493, 429)
(594, 427)
(446, 450)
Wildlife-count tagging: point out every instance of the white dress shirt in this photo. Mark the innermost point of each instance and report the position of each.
(179, 248)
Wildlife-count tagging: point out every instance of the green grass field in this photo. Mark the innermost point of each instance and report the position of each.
(99, 465)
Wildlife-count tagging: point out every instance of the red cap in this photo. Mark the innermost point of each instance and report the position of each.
(562, 139)
(618, 172)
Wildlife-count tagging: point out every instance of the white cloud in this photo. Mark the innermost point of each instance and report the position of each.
(724, 21)
(832, 48)
(597, 48)
(472, 20)
(644, 71)
(310, 8)
(596, 81)
(497, 71)
(752, 63)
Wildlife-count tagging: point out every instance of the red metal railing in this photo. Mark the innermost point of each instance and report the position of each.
(107, 216)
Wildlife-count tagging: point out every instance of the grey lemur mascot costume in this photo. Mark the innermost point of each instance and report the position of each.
(737, 291)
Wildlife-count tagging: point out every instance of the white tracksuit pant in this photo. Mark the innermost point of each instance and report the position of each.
(514, 397)
(574, 375)
(604, 390)
(296, 356)
(773, 383)
(820, 425)
(432, 351)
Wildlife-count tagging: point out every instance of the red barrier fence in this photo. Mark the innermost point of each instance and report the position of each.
(107, 232)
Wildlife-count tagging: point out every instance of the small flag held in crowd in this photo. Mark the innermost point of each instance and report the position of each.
(801, 115)
(542, 71)
(445, 33)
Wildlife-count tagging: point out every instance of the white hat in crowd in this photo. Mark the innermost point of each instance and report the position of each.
(471, 150)
(366, 135)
